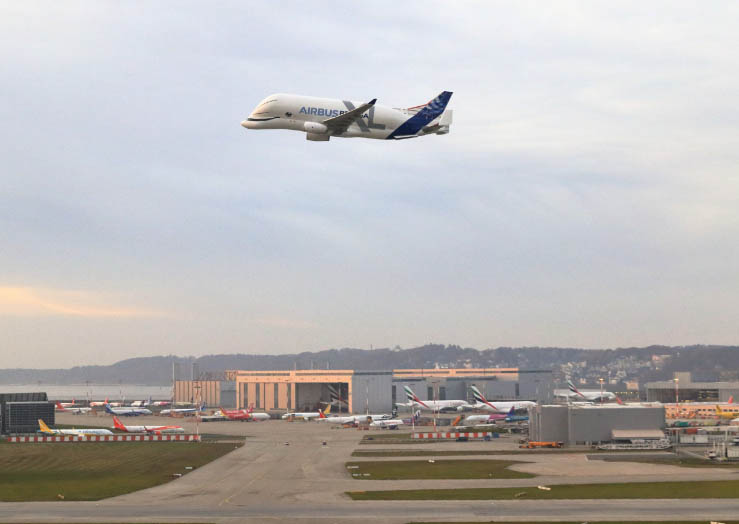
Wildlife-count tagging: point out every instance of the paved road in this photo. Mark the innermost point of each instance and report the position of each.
(268, 481)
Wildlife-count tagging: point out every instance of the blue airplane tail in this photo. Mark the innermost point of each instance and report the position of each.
(108, 410)
(428, 112)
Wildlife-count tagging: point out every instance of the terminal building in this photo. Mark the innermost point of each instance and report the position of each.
(593, 424)
(357, 391)
(683, 389)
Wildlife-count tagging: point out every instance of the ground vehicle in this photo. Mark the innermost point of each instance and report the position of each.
(532, 444)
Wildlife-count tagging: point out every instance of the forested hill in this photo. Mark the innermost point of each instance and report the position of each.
(706, 362)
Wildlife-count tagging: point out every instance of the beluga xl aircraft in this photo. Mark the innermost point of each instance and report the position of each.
(322, 118)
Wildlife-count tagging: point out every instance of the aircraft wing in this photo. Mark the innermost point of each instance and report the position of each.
(339, 124)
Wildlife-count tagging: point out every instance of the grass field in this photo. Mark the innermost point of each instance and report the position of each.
(671, 460)
(439, 469)
(96, 470)
(633, 490)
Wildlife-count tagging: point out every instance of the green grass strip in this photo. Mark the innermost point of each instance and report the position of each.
(438, 469)
(632, 490)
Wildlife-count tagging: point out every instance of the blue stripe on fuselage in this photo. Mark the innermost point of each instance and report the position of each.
(430, 111)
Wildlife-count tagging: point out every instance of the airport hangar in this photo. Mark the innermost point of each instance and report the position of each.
(357, 391)
(593, 423)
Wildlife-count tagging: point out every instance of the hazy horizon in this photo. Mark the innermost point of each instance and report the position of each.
(585, 197)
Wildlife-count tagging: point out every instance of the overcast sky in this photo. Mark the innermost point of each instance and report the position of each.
(587, 195)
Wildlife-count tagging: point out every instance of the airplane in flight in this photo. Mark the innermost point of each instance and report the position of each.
(127, 411)
(247, 415)
(431, 405)
(157, 430)
(70, 408)
(502, 406)
(43, 428)
(394, 423)
(307, 415)
(322, 118)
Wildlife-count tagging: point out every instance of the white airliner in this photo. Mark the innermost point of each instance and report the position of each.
(157, 430)
(503, 406)
(395, 422)
(431, 405)
(354, 419)
(127, 411)
(43, 428)
(591, 396)
(322, 118)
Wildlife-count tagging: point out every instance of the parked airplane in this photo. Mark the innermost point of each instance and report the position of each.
(308, 414)
(726, 412)
(394, 423)
(355, 419)
(502, 406)
(159, 403)
(183, 411)
(157, 430)
(61, 405)
(487, 419)
(591, 396)
(431, 405)
(99, 403)
(322, 118)
(127, 411)
(244, 414)
(43, 428)
(71, 409)
(141, 403)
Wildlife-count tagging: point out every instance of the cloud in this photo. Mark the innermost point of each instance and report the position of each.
(29, 301)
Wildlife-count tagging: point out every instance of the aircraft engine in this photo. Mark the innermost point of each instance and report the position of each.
(316, 128)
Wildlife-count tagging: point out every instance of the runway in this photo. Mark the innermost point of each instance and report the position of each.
(268, 481)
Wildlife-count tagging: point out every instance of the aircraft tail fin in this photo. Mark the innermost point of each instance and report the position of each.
(107, 409)
(731, 399)
(327, 410)
(618, 399)
(117, 424)
(43, 427)
(512, 411)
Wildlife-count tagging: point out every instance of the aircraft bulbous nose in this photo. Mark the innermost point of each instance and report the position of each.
(244, 124)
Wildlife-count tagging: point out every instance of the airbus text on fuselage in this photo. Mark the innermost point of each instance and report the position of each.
(322, 118)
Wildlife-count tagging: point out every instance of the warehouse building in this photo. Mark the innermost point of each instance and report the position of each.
(683, 389)
(356, 391)
(20, 412)
(495, 384)
(592, 424)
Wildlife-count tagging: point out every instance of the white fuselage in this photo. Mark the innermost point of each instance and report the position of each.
(154, 429)
(304, 414)
(502, 406)
(80, 432)
(592, 396)
(307, 114)
(438, 405)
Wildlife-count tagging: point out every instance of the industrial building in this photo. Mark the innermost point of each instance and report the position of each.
(682, 389)
(356, 391)
(592, 424)
(20, 412)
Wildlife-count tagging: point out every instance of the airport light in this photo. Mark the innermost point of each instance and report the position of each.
(677, 398)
